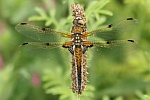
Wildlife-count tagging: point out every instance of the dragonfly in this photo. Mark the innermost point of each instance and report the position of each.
(78, 43)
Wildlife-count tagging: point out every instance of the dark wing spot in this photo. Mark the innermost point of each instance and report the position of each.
(131, 40)
(109, 26)
(24, 43)
(43, 28)
(129, 18)
(108, 42)
(91, 45)
(47, 44)
(23, 23)
(64, 46)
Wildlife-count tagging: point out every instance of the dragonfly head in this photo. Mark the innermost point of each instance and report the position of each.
(78, 21)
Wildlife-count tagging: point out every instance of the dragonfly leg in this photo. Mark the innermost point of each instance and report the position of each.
(84, 49)
(71, 50)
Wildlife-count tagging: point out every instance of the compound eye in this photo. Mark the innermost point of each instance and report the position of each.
(81, 22)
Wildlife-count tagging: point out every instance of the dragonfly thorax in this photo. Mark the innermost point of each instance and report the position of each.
(77, 39)
(77, 29)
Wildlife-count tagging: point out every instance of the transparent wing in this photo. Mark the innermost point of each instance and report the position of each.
(111, 31)
(52, 51)
(109, 44)
(116, 48)
(39, 33)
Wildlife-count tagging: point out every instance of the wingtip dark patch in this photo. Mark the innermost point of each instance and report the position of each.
(129, 18)
(24, 43)
(131, 40)
(23, 23)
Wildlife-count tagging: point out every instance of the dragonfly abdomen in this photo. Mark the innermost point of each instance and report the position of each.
(79, 71)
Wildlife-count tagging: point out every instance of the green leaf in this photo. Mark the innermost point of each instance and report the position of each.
(42, 15)
(106, 12)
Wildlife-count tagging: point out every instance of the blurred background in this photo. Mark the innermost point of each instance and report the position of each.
(25, 77)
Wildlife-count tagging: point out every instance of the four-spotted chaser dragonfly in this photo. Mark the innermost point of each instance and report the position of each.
(78, 43)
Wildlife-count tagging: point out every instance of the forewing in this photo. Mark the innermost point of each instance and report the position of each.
(40, 33)
(111, 31)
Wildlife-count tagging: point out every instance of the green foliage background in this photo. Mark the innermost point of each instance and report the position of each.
(24, 77)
